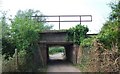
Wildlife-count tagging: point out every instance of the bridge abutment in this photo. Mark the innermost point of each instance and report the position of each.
(43, 53)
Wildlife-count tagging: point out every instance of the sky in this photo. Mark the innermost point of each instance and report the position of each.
(99, 9)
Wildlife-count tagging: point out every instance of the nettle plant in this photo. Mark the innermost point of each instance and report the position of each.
(77, 33)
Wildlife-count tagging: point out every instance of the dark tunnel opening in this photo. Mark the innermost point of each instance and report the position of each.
(59, 54)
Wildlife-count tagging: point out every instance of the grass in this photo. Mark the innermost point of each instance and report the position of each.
(83, 64)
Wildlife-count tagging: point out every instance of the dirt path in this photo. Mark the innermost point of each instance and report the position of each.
(61, 66)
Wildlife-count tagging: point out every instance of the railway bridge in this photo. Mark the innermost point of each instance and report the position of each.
(58, 38)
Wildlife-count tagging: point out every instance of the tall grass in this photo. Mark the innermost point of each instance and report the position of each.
(23, 64)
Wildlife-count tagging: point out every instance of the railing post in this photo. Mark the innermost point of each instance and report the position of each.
(91, 18)
(59, 22)
(80, 19)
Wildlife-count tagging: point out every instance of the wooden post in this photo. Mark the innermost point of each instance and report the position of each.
(16, 57)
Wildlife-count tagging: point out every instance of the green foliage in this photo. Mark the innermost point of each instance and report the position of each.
(8, 48)
(0, 29)
(25, 30)
(22, 34)
(105, 46)
(53, 50)
(7, 44)
(8, 65)
(87, 42)
(115, 14)
(77, 33)
(84, 63)
(0, 38)
(110, 32)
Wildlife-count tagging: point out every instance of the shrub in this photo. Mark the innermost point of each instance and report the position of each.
(77, 33)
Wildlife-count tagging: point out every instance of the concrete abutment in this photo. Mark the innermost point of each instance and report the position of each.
(72, 53)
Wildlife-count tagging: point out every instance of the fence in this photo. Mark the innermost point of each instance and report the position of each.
(60, 16)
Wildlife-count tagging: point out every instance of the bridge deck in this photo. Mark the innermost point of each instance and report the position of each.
(54, 31)
(56, 42)
(56, 37)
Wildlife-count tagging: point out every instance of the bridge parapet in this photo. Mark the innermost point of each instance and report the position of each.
(54, 37)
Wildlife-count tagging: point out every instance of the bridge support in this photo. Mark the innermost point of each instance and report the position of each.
(77, 53)
(73, 53)
(69, 54)
(43, 54)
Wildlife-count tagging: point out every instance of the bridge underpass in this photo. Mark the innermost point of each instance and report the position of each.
(57, 38)
(56, 53)
(69, 54)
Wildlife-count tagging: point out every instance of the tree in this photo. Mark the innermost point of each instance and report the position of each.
(23, 32)
(115, 14)
(7, 45)
(110, 32)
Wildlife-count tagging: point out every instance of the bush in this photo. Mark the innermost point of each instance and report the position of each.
(22, 65)
(9, 65)
(77, 33)
(87, 42)
(21, 34)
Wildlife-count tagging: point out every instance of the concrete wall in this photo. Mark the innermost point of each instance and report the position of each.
(72, 53)
(53, 37)
(58, 38)
(69, 52)
(43, 53)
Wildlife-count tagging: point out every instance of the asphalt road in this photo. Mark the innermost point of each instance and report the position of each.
(58, 64)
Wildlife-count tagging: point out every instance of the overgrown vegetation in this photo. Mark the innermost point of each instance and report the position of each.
(101, 53)
(77, 33)
(21, 34)
(103, 50)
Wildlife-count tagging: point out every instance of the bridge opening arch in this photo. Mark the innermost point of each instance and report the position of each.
(56, 53)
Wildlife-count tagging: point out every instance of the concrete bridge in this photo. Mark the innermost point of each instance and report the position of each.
(58, 38)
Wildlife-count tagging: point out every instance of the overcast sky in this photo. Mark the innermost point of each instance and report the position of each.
(97, 8)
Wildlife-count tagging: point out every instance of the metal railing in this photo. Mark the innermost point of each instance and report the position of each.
(59, 16)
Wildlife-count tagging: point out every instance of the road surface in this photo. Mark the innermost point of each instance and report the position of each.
(60, 65)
